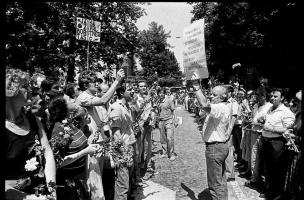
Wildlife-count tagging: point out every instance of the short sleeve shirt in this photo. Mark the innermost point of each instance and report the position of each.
(166, 109)
(92, 111)
(120, 117)
(217, 122)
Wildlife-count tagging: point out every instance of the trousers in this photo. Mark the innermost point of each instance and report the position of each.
(167, 136)
(216, 155)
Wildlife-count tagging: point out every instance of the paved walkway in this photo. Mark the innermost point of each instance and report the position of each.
(186, 177)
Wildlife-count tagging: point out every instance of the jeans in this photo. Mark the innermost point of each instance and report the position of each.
(275, 160)
(167, 136)
(216, 155)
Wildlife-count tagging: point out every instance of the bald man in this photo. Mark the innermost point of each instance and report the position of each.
(215, 136)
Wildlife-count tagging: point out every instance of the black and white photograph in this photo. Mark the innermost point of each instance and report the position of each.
(153, 100)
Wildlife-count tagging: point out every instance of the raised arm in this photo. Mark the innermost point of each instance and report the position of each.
(98, 101)
(50, 166)
(200, 95)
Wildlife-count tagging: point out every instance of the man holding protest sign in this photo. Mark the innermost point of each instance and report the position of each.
(216, 137)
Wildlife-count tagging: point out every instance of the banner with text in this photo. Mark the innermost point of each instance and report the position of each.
(88, 30)
(194, 56)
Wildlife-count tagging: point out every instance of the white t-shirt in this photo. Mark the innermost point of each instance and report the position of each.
(259, 112)
(92, 111)
(217, 122)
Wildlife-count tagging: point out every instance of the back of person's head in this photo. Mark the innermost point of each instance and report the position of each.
(69, 89)
(46, 85)
(78, 115)
(86, 77)
(58, 109)
(15, 80)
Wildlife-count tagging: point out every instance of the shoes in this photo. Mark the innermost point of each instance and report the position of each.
(246, 175)
(239, 164)
(262, 195)
(230, 179)
(242, 167)
(252, 185)
(162, 156)
(172, 158)
(147, 176)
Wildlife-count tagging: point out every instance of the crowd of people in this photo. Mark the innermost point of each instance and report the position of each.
(82, 140)
(91, 140)
(258, 132)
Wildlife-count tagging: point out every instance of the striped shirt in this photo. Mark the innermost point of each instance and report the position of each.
(79, 143)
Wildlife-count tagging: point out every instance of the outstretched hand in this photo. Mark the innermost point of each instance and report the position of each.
(195, 83)
(120, 75)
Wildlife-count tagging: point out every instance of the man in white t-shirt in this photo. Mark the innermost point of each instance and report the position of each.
(216, 138)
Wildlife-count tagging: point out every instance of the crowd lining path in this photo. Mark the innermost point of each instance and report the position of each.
(186, 177)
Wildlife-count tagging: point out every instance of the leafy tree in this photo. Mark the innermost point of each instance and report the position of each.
(263, 37)
(157, 61)
(42, 34)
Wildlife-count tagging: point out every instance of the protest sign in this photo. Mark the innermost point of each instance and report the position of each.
(88, 30)
(194, 56)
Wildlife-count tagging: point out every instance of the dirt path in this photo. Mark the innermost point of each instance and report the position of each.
(187, 175)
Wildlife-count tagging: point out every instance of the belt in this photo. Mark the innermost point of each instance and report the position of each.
(210, 143)
(274, 138)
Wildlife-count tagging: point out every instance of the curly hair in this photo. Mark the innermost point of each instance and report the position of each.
(58, 109)
(78, 116)
(86, 77)
(69, 89)
(15, 80)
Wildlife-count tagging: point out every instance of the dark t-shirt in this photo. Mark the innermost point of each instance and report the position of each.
(17, 150)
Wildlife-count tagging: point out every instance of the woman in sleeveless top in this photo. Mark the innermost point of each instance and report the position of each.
(70, 159)
(24, 132)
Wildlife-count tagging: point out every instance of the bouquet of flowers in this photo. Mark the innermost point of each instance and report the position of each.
(119, 153)
(61, 140)
(290, 141)
(35, 182)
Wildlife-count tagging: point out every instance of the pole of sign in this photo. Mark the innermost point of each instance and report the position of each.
(88, 55)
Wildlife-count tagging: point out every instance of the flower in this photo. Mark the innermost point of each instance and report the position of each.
(64, 121)
(66, 128)
(37, 142)
(31, 164)
(66, 136)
